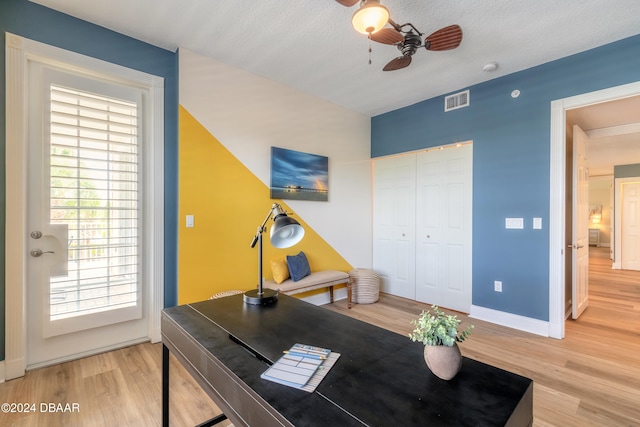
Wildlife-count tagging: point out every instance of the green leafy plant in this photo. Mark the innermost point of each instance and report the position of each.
(438, 328)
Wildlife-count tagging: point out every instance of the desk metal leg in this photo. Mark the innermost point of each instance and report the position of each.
(213, 421)
(165, 394)
(165, 386)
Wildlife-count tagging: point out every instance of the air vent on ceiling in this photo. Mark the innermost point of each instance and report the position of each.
(457, 100)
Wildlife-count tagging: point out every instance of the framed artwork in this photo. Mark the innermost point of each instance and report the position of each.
(299, 176)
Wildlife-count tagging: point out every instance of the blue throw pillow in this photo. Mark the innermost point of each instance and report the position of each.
(298, 266)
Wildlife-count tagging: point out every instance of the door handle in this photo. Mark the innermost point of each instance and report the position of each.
(54, 237)
(39, 252)
(575, 246)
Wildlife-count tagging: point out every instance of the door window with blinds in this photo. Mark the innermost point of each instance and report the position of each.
(94, 197)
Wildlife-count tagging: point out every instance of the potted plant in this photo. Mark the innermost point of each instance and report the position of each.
(439, 334)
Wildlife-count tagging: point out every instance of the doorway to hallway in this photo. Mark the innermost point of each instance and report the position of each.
(559, 218)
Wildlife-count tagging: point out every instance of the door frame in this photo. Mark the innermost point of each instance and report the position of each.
(557, 193)
(19, 51)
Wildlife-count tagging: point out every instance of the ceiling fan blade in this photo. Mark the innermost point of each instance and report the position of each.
(444, 39)
(348, 3)
(387, 36)
(398, 63)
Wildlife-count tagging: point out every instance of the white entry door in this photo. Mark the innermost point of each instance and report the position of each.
(394, 224)
(580, 232)
(84, 212)
(444, 227)
(630, 224)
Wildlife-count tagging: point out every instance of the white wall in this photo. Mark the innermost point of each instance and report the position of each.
(249, 114)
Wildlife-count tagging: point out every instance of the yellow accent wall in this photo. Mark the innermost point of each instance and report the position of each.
(228, 203)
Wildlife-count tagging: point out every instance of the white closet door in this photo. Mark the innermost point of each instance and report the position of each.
(443, 227)
(394, 224)
(630, 225)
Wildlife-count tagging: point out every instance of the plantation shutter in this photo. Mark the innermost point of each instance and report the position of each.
(94, 163)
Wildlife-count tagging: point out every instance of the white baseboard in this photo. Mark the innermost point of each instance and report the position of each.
(2, 377)
(515, 321)
(155, 336)
(12, 369)
(324, 298)
(88, 353)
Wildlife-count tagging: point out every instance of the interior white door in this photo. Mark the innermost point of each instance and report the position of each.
(630, 227)
(580, 228)
(612, 209)
(444, 227)
(84, 281)
(394, 224)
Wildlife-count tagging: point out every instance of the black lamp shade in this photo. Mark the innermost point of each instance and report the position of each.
(285, 232)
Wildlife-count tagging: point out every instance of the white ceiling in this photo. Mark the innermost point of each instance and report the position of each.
(310, 45)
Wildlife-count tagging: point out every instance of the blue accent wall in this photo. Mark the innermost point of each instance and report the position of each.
(35, 22)
(511, 154)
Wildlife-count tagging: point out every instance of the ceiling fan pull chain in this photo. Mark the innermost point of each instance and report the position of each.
(369, 48)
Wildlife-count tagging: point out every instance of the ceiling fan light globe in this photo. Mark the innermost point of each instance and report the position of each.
(370, 17)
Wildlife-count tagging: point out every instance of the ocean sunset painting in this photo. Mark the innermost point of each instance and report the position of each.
(299, 176)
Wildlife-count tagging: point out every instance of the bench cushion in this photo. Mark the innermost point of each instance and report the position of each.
(316, 280)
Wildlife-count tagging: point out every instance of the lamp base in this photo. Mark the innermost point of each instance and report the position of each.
(267, 297)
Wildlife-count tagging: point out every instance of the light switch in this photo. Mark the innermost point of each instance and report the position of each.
(514, 223)
(537, 223)
(190, 221)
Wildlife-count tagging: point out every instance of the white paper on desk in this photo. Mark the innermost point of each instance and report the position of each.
(279, 375)
(294, 371)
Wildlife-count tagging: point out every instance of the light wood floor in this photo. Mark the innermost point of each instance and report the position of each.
(591, 378)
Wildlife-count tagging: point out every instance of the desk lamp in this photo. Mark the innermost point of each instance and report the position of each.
(285, 233)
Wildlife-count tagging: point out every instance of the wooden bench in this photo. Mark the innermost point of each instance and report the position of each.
(316, 280)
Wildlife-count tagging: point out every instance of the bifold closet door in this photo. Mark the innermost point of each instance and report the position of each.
(443, 227)
(394, 224)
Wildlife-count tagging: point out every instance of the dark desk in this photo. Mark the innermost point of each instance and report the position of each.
(381, 378)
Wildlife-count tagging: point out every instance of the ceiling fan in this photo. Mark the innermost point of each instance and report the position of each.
(371, 18)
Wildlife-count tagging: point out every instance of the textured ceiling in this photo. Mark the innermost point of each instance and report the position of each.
(310, 45)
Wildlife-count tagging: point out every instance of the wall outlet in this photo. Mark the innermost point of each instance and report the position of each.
(497, 286)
